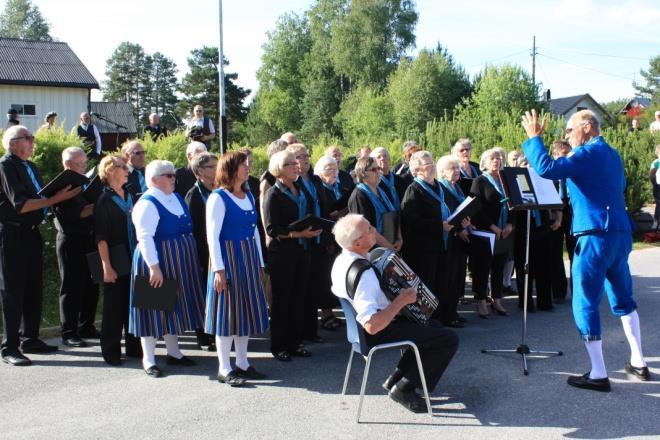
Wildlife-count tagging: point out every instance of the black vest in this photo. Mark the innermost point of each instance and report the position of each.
(88, 136)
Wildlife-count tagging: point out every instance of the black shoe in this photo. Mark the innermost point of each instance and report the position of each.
(392, 379)
(182, 361)
(453, 324)
(34, 345)
(115, 362)
(301, 352)
(231, 379)
(154, 371)
(282, 356)
(16, 359)
(250, 373)
(590, 384)
(460, 319)
(89, 333)
(316, 339)
(642, 373)
(74, 341)
(410, 400)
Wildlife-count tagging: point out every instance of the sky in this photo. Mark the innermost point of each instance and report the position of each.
(584, 46)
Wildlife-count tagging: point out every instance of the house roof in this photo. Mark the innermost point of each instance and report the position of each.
(119, 112)
(42, 63)
(636, 102)
(560, 106)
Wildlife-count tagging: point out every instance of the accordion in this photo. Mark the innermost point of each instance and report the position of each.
(396, 275)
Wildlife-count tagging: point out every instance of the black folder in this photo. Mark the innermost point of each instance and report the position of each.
(465, 183)
(62, 180)
(391, 226)
(119, 258)
(93, 190)
(313, 221)
(503, 245)
(147, 297)
(472, 206)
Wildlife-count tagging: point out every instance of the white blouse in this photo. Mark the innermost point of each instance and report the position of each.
(215, 215)
(145, 218)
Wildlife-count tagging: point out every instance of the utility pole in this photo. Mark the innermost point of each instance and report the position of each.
(534, 60)
(222, 125)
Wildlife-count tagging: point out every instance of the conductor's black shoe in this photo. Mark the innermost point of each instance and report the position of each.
(642, 373)
(35, 345)
(410, 400)
(182, 361)
(250, 373)
(16, 359)
(231, 379)
(74, 341)
(154, 371)
(589, 384)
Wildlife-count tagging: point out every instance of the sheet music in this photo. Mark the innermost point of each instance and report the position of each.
(546, 193)
(460, 208)
(489, 235)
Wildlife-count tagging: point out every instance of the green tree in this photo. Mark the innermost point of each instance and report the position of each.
(426, 88)
(22, 19)
(159, 89)
(128, 77)
(651, 88)
(369, 40)
(367, 116)
(201, 86)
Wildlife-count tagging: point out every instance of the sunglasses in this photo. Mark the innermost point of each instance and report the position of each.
(302, 156)
(288, 164)
(139, 153)
(168, 175)
(373, 169)
(28, 138)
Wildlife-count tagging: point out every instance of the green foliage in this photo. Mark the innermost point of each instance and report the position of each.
(159, 87)
(367, 116)
(651, 88)
(128, 77)
(21, 19)
(48, 146)
(172, 148)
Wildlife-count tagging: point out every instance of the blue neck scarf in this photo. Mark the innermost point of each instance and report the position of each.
(381, 205)
(474, 172)
(504, 211)
(35, 182)
(309, 186)
(334, 188)
(389, 182)
(301, 202)
(127, 207)
(455, 190)
(440, 198)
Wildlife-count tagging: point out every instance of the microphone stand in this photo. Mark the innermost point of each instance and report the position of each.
(117, 127)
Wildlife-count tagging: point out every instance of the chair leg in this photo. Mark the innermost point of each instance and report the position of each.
(348, 372)
(423, 379)
(363, 388)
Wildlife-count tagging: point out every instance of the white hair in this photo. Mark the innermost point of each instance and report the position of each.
(195, 147)
(376, 151)
(70, 152)
(444, 162)
(416, 160)
(486, 156)
(277, 161)
(155, 168)
(12, 132)
(460, 143)
(323, 162)
(345, 230)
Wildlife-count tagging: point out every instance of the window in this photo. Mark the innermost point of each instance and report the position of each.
(582, 108)
(25, 109)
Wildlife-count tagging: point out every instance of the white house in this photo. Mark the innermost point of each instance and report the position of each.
(570, 105)
(37, 77)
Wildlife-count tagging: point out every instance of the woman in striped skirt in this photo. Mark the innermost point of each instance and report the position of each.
(166, 249)
(235, 300)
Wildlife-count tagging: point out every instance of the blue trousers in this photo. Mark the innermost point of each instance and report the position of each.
(601, 263)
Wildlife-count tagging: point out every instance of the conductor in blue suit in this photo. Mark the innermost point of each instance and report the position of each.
(596, 183)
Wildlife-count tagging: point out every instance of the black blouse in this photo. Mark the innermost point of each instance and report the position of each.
(421, 224)
(197, 206)
(16, 188)
(110, 223)
(185, 179)
(279, 212)
(490, 198)
(68, 220)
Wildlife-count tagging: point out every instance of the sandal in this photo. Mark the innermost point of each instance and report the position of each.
(282, 356)
(301, 352)
(330, 323)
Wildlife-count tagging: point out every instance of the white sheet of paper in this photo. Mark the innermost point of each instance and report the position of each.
(460, 207)
(546, 193)
(489, 235)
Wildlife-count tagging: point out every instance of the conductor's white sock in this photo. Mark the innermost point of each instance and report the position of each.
(595, 350)
(240, 345)
(634, 335)
(223, 347)
(148, 351)
(172, 345)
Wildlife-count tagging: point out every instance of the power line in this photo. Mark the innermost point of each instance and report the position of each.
(586, 68)
(594, 54)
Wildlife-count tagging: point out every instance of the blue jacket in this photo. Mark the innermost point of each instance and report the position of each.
(595, 182)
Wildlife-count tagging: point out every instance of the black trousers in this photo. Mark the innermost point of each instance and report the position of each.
(289, 277)
(326, 299)
(483, 265)
(116, 298)
(21, 283)
(316, 284)
(549, 273)
(456, 266)
(437, 346)
(79, 295)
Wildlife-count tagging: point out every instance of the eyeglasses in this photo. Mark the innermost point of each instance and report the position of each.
(27, 137)
(426, 164)
(374, 169)
(569, 130)
(463, 150)
(138, 153)
(168, 175)
(288, 164)
(198, 111)
(123, 167)
(302, 156)
(209, 167)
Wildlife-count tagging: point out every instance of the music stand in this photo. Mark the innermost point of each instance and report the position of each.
(525, 191)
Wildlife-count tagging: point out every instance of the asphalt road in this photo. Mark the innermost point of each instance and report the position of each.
(72, 394)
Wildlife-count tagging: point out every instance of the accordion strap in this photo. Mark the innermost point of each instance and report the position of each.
(354, 273)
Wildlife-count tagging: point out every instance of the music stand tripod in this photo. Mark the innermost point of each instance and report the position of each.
(522, 348)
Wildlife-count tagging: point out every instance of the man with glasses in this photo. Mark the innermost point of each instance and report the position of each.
(135, 155)
(185, 177)
(596, 182)
(21, 248)
(79, 295)
(154, 129)
(200, 128)
(90, 136)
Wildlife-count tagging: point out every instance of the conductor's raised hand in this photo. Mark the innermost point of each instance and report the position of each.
(220, 281)
(530, 122)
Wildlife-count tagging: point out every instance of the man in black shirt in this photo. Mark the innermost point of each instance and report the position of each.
(21, 249)
(75, 238)
(185, 178)
(90, 136)
(134, 155)
(154, 129)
